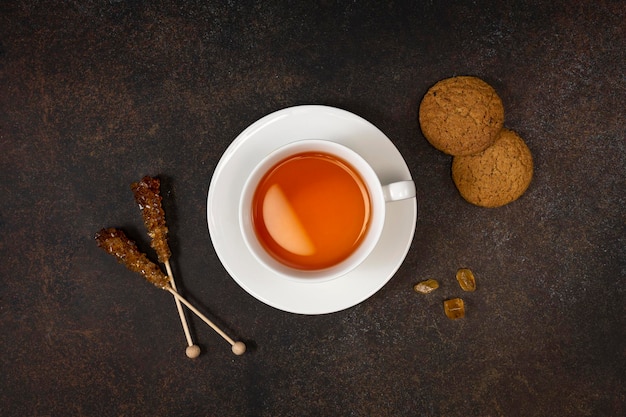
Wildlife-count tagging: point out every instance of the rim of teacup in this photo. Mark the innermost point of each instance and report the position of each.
(373, 232)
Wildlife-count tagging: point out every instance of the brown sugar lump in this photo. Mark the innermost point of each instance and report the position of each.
(426, 287)
(454, 308)
(466, 280)
(498, 175)
(461, 115)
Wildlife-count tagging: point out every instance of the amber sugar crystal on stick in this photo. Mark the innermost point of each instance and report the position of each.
(115, 243)
(147, 194)
(148, 197)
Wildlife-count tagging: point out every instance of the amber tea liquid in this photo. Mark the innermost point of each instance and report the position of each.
(311, 211)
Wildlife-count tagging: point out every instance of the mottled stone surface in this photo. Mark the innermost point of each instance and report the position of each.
(96, 94)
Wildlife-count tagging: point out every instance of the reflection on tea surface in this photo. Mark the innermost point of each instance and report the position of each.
(311, 211)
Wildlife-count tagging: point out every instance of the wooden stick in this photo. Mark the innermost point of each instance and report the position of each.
(193, 350)
(238, 348)
(115, 243)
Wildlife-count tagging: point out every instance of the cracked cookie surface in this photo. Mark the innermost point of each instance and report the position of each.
(461, 115)
(497, 176)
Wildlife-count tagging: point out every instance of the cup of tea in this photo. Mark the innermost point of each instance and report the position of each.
(314, 210)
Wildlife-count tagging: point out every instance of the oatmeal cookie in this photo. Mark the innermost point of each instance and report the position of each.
(461, 115)
(498, 175)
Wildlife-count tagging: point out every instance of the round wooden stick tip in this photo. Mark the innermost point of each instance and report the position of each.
(239, 348)
(193, 351)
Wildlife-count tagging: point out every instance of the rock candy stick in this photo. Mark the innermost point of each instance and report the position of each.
(115, 243)
(148, 197)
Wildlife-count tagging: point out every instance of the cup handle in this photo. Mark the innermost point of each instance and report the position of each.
(400, 190)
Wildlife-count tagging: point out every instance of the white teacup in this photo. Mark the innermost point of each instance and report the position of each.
(282, 226)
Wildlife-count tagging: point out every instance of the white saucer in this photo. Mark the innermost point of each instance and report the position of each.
(269, 133)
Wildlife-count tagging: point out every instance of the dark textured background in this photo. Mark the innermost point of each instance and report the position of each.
(94, 95)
